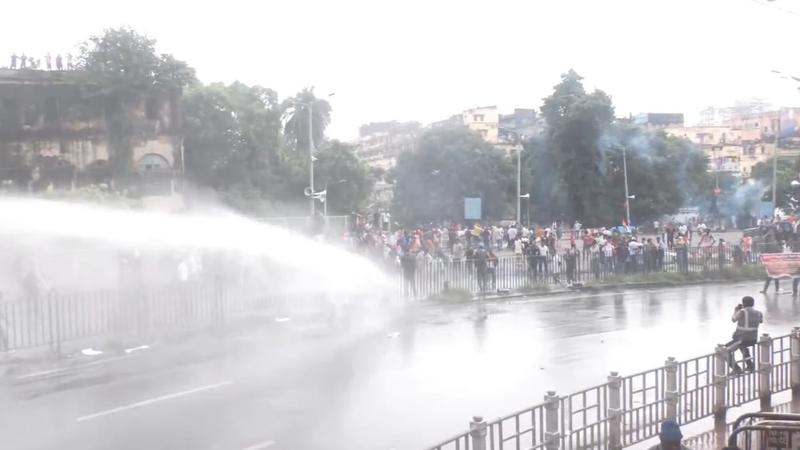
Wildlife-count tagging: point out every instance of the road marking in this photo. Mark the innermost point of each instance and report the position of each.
(71, 368)
(151, 401)
(260, 446)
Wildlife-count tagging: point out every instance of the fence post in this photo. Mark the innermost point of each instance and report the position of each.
(671, 392)
(477, 433)
(720, 384)
(765, 372)
(794, 367)
(551, 436)
(53, 331)
(614, 411)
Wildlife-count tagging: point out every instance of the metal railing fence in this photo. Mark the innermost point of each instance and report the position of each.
(56, 318)
(628, 410)
(431, 276)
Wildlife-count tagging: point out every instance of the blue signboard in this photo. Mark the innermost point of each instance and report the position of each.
(472, 208)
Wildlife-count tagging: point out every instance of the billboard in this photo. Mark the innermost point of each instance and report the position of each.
(472, 208)
(781, 265)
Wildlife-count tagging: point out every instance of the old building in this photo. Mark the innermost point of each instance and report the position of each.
(484, 120)
(658, 120)
(380, 143)
(56, 130)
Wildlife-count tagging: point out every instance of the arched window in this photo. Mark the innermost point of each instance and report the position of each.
(152, 161)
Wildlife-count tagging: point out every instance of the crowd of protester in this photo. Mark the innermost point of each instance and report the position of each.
(555, 253)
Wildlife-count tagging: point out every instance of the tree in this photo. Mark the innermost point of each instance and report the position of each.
(451, 163)
(576, 122)
(123, 67)
(346, 180)
(295, 112)
(232, 135)
(788, 170)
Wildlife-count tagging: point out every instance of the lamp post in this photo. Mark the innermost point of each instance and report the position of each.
(628, 197)
(310, 109)
(527, 198)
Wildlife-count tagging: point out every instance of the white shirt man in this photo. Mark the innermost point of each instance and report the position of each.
(512, 233)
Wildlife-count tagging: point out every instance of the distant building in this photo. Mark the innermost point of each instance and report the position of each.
(484, 120)
(722, 145)
(743, 141)
(521, 124)
(504, 131)
(658, 120)
(53, 130)
(380, 143)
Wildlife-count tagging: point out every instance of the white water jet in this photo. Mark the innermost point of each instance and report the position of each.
(85, 241)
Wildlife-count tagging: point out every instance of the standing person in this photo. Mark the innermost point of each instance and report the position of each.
(747, 320)
(408, 262)
(544, 257)
(608, 256)
(498, 237)
(469, 257)
(660, 250)
(767, 282)
(571, 258)
(682, 254)
(481, 267)
(491, 264)
(512, 237)
(458, 254)
(706, 245)
(634, 253)
(669, 231)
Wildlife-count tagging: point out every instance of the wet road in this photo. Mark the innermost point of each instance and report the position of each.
(402, 379)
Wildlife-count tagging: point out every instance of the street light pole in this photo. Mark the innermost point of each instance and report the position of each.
(627, 196)
(519, 183)
(775, 165)
(311, 199)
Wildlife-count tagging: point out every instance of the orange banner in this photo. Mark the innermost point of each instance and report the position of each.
(781, 265)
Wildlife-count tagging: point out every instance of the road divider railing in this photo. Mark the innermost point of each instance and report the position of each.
(627, 410)
(430, 276)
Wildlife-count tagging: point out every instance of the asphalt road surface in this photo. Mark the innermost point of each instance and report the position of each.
(403, 378)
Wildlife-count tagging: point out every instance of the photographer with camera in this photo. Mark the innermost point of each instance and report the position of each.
(747, 320)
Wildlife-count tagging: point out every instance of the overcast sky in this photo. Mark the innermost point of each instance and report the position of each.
(428, 59)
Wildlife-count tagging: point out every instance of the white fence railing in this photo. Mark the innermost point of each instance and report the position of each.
(626, 410)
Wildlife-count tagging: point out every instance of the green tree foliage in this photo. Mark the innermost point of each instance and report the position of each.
(124, 68)
(347, 181)
(295, 111)
(576, 122)
(451, 163)
(788, 171)
(234, 143)
(233, 136)
(575, 171)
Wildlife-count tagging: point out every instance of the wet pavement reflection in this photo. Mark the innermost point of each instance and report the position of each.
(492, 360)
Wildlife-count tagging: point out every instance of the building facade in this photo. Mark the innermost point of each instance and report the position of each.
(379, 144)
(658, 120)
(484, 120)
(55, 130)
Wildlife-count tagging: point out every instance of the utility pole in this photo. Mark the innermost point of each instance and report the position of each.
(775, 165)
(519, 183)
(311, 199)
(627, 196)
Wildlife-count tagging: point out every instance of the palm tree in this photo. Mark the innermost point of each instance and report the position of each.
(295, 118)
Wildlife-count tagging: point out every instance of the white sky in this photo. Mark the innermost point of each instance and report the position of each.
(428, 59)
